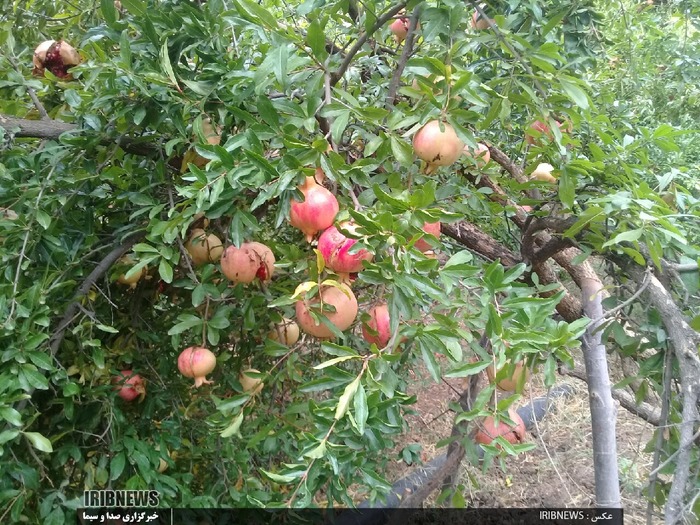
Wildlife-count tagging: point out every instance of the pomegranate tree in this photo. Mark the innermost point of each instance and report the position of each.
(129, 386)
(252, 260)
(337, 252)
(196, 362)
(204, 248)
(336, 302)
(377, 330)
(436, 146)
(489, 430)
(316, 212)
(433, 228)
(57, 56)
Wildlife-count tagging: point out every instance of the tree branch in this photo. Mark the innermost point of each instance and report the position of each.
(480, 242)
(336, 76)
(53, 129)
(403, 60)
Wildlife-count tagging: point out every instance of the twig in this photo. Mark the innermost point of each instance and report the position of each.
(610, 313)
(23, 251)
(30, 91)
(337, 75)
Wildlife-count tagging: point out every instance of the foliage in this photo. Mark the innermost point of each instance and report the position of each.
(156, 76)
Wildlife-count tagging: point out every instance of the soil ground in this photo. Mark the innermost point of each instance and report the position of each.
(557, 473)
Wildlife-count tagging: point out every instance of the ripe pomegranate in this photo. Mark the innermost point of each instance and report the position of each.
(399, 28)
(436, 147)
(56, 56)
(481, 155)
(488, 431)
(129, 386)
(196, 362)
(377, 329)
(509, 384)
(336, 250)
(286, 332)
(204, 248)
(543, 172)
(251, 385)
(134, 279)
(251, 260)
(341, 298)
(478, 22)
(318, 210)
(432, 228)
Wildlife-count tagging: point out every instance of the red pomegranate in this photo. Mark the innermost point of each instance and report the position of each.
(377, 330)
(344, 312)
(400, 29)
(318, 210)
(437, 147)
(488, 431)
(129, 386)
(252, 260)
(432, 228)
(337, 251)
(196, 362)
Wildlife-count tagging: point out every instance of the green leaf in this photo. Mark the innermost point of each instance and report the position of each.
(576, 94)
(38, 441)
(105, 328)
(627, 236)
(43, 218)
(317, 452)
(361, 409)
(344, 401)
(334, 361)
(234, 427)
(281, 478)
(468, 369)
(135, 7)
(402, 151)
(165, 271)
(316, 40)
(109, 12)
(116, 466)
(165, 62)
(188, 323)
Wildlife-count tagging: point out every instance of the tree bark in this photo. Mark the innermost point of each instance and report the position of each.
(684, 343)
